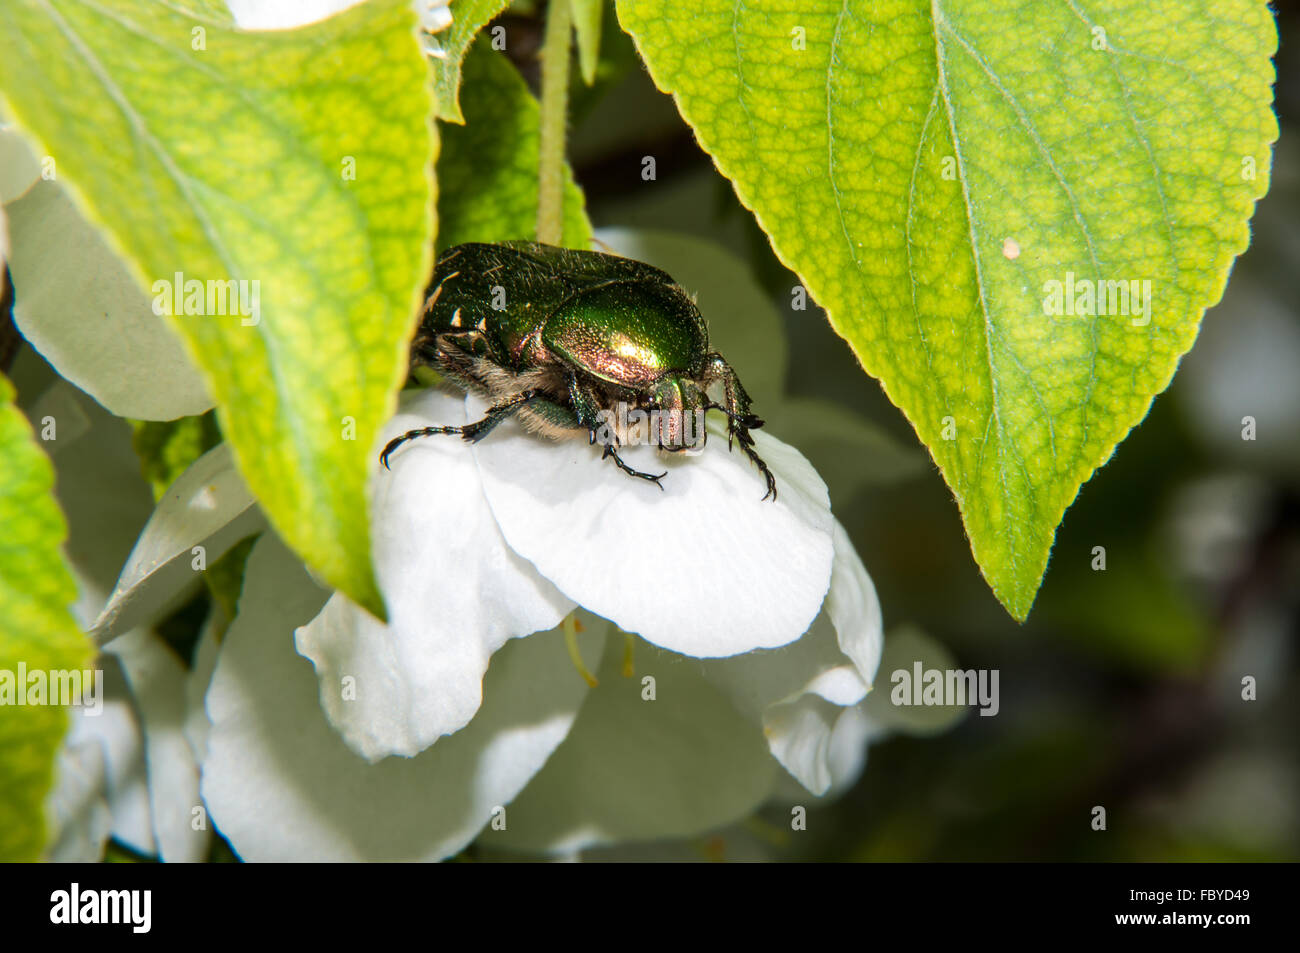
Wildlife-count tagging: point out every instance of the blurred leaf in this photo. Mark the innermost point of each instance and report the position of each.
(1133, 612)
(225, 578)
(37, 631)
(587, 15)
(328, 210)
(468, 17)
(848, 450)
(928, 169)
(487, 173)
(618, 58)
(167, 447)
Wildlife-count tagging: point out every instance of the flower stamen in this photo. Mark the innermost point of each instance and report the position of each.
(629, 649)
(571, 629)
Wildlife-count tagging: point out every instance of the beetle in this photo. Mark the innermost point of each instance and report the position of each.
(561, 338)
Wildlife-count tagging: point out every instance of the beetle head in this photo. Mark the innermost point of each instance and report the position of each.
(680, 404)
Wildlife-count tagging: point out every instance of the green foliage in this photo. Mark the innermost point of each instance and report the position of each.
(224, 155)
(37, 630)
(487, 172)
(929, 169)
(468, 17)
(167, 447)
(587, 16)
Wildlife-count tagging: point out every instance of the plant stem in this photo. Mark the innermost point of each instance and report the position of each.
(555, 109)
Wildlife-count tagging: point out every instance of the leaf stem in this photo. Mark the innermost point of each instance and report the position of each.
(555, 108)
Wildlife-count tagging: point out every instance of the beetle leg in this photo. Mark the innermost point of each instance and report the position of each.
(747, 444)
(586, 408)
(498, 412)
(472, 432)
(411, 435)
(618, 462)
(739, 420)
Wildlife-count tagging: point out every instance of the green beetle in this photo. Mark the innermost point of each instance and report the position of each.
(568, 341)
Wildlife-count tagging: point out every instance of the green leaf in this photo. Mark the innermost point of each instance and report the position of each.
(928, 166)
(166, 448)
(214, 10)
(487, 172)
(37, 630)
(295, 159)
(587, 15)
(468, 17)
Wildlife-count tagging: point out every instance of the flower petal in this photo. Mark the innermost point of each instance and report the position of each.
(206, 652)
(704, 567)
(18, 166)
(76, 809)
(157, 681)
(284, 14)
(116, 728)
(854, 608)
(280, 783)
(634, 769)
(455, 594)
(208, 506)
(77, 305)
(823, 747)
(854, 731)
(906, 647)
(801, 691)
(758, 680)
(821, 744)
(799, 735)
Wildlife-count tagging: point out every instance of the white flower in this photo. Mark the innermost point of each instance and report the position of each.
(572, 766)
(546, 763)
(764, 627)
(281, 784)
(759, 638)
(284, 14)
(475, 544)
(434, 15)
(766, 624)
